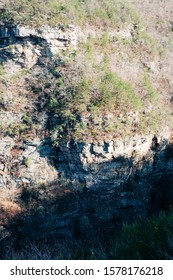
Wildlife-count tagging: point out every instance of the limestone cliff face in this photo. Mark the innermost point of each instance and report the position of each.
(25, 163)
(98, 164)
(114, 180)
(23, 48)
(26, 47)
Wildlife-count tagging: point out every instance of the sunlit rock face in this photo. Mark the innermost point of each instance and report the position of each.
(25, 164)
(25, 46)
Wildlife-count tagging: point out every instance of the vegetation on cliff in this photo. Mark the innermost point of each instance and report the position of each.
(152, 239)
(114, 82)
(95, 89)
(101, 14)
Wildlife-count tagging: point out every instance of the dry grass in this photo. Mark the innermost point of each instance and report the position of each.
(9, 206)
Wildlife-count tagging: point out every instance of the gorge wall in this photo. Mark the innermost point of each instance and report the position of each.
(105, 182)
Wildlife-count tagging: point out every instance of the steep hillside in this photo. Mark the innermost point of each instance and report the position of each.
(85, 118)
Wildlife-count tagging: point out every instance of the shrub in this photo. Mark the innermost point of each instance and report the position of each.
(88, 90)
(149, 240)
(149, 87)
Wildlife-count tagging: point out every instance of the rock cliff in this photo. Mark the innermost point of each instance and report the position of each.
(112, 180)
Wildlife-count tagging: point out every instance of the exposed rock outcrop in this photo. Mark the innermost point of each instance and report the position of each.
(111, 180)
(93, 163)
(26, 46)
(25, 164)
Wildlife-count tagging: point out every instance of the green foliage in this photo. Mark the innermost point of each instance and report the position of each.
(27, 119)
(98, 12)
(23, 127)
(148, 85)
(88, 89)
(149, 240)
(105, 39)
(27, 162)
(117, 93)
(1, 70)
(151, 43)
(12, 130)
